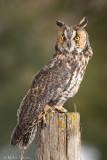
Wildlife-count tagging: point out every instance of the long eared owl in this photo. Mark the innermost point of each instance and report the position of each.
(56, 82)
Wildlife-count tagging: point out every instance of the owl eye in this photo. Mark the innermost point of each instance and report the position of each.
(63, 38)
(77, 38)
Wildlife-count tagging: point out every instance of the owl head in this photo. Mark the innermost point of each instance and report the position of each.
(72, 38)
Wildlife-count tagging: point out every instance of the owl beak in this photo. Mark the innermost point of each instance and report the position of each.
(69, 43)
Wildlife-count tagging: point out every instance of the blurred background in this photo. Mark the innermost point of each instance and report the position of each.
(28, 34)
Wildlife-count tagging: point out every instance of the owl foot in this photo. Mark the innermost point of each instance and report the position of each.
(60, 109)
(44, 121)
(53, 111)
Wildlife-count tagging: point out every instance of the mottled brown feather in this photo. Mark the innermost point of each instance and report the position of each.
(55, 83)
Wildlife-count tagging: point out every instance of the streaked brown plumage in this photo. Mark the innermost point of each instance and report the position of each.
(56, 82)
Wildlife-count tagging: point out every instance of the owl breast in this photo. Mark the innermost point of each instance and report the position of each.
(74, 85)
(74, 82)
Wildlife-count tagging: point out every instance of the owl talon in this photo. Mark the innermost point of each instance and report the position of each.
(46, 124)
(60, 109)
(53, 111)
(44, 121)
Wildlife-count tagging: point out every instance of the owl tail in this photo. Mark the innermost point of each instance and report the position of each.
(24, 139)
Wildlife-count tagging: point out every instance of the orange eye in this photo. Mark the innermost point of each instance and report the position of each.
(77, 38)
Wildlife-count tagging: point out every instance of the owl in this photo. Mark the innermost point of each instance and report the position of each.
(55, 83)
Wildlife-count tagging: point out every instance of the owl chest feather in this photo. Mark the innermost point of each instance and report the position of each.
(76, 79)
(76, 76)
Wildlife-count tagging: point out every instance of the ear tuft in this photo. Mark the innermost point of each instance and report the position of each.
(60, 24)
(83, 22)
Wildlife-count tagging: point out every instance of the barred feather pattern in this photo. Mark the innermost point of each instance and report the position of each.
(59, 80)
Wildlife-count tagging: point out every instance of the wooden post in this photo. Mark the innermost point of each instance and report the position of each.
(61, 139)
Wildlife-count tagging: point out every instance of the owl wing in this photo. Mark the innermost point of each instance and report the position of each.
(47, 85)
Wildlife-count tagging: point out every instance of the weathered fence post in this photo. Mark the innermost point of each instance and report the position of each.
(61, 139)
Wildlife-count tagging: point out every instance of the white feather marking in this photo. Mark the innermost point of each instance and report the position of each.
(65, 34)
(72, 41)
(73, 34)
